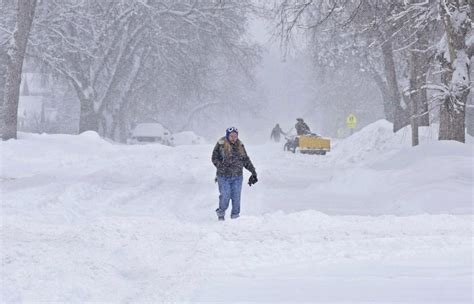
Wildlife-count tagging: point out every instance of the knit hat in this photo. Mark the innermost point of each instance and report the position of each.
(230, 130)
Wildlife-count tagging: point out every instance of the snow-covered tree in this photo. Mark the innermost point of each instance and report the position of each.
(419, 31)
(86, 42)
(454, 53)
(6, 28)
(14, 63)
(119, 55)
(395, 41)
(354, 30)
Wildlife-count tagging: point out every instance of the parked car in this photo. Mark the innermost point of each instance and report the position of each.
(150, 133)
(186, 138)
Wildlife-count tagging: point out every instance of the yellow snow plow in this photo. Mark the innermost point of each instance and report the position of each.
(308, 144)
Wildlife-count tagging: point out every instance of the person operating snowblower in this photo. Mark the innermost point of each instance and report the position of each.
(301, 127)
(307, 142)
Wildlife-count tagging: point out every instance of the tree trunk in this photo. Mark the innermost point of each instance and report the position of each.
(421, 63)
(423, 55)
(89, 119)
(118, 112)
(16, 54)
(470, 115)
(401, 116)
(418, 99)
(3, 69)
(2, 86)
(387, 100)
(415, 96)
(456, 71)
(452, 123)
(121, 134)
(423, 109)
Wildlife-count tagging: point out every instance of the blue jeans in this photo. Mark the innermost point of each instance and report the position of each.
(229, 189)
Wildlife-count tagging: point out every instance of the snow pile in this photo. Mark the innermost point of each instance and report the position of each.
(431, 178)
(376, 140)
(378, 172)
(84, 219)
(82, 174)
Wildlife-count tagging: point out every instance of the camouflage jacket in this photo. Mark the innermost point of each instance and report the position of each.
(302, 128)
(230, 159)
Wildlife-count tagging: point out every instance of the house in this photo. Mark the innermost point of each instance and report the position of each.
(35, 109)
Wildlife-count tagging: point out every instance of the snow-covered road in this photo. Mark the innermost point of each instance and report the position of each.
(87, 220)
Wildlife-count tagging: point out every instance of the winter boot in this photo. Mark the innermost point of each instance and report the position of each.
(220, 216)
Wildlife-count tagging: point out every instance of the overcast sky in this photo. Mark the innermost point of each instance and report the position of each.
(284, 80)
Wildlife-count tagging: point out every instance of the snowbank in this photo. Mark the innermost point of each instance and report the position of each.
(376, 141)
(372, 172)
(369, 141)
(84, 219)
(431, 178)
(378, 172)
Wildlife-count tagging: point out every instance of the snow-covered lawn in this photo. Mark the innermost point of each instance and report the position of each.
(374, 220)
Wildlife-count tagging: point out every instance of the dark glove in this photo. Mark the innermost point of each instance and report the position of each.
(253, 179)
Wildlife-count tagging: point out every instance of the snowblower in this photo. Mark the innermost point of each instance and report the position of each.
(308, 144)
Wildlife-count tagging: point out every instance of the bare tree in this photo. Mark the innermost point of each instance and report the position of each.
(420, 30)
(6, 28)
(117, 55)
(363, 23)
(15, 57)
(192, 58)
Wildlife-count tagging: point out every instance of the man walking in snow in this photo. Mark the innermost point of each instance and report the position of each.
(229, 157)
(276, 133)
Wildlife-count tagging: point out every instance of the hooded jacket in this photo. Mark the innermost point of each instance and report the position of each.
(230, 159)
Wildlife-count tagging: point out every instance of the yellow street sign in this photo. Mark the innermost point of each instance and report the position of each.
(351, 121)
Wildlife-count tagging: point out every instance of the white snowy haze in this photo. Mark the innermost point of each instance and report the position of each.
(294, 86)
(114, 174)
(253, 86)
